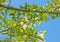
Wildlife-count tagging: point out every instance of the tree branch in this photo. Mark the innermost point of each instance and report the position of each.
(24, 33)
(8, 7)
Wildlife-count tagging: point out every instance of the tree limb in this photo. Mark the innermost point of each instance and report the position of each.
(8, 7)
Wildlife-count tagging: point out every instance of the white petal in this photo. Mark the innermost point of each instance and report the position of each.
(27, 20)
(5, 3)
(24, 26)
(21, 23)
(39, 40)
(40, 34)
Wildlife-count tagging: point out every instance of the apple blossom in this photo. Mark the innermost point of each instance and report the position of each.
(24, 26)
(21, 23)
(26, 18)
(40, 34)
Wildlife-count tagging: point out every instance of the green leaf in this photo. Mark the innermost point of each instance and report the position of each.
(26, 6)
(12, 11)
(40, 38)
(41, 8)
(0, 26)
(2, 1)
(35, 6)
(44, 32)
(39, 22)
(1, 17)
(21, 7)
(54, 16)
(34, 40)
(5, 32)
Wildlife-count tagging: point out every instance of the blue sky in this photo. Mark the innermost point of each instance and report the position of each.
(52, 26)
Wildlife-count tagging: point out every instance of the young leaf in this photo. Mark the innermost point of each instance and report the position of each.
(39, 22)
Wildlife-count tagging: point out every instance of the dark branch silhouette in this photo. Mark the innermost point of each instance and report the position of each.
(9, 7)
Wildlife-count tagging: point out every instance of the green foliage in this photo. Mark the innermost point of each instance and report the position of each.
(19, 26)
(2, 1)
(1, 18)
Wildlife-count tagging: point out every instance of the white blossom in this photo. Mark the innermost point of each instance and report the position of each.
(39, 40)
(5, 3)
(40, 34)
(24, 26)
(21, 23)
(26, 18)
